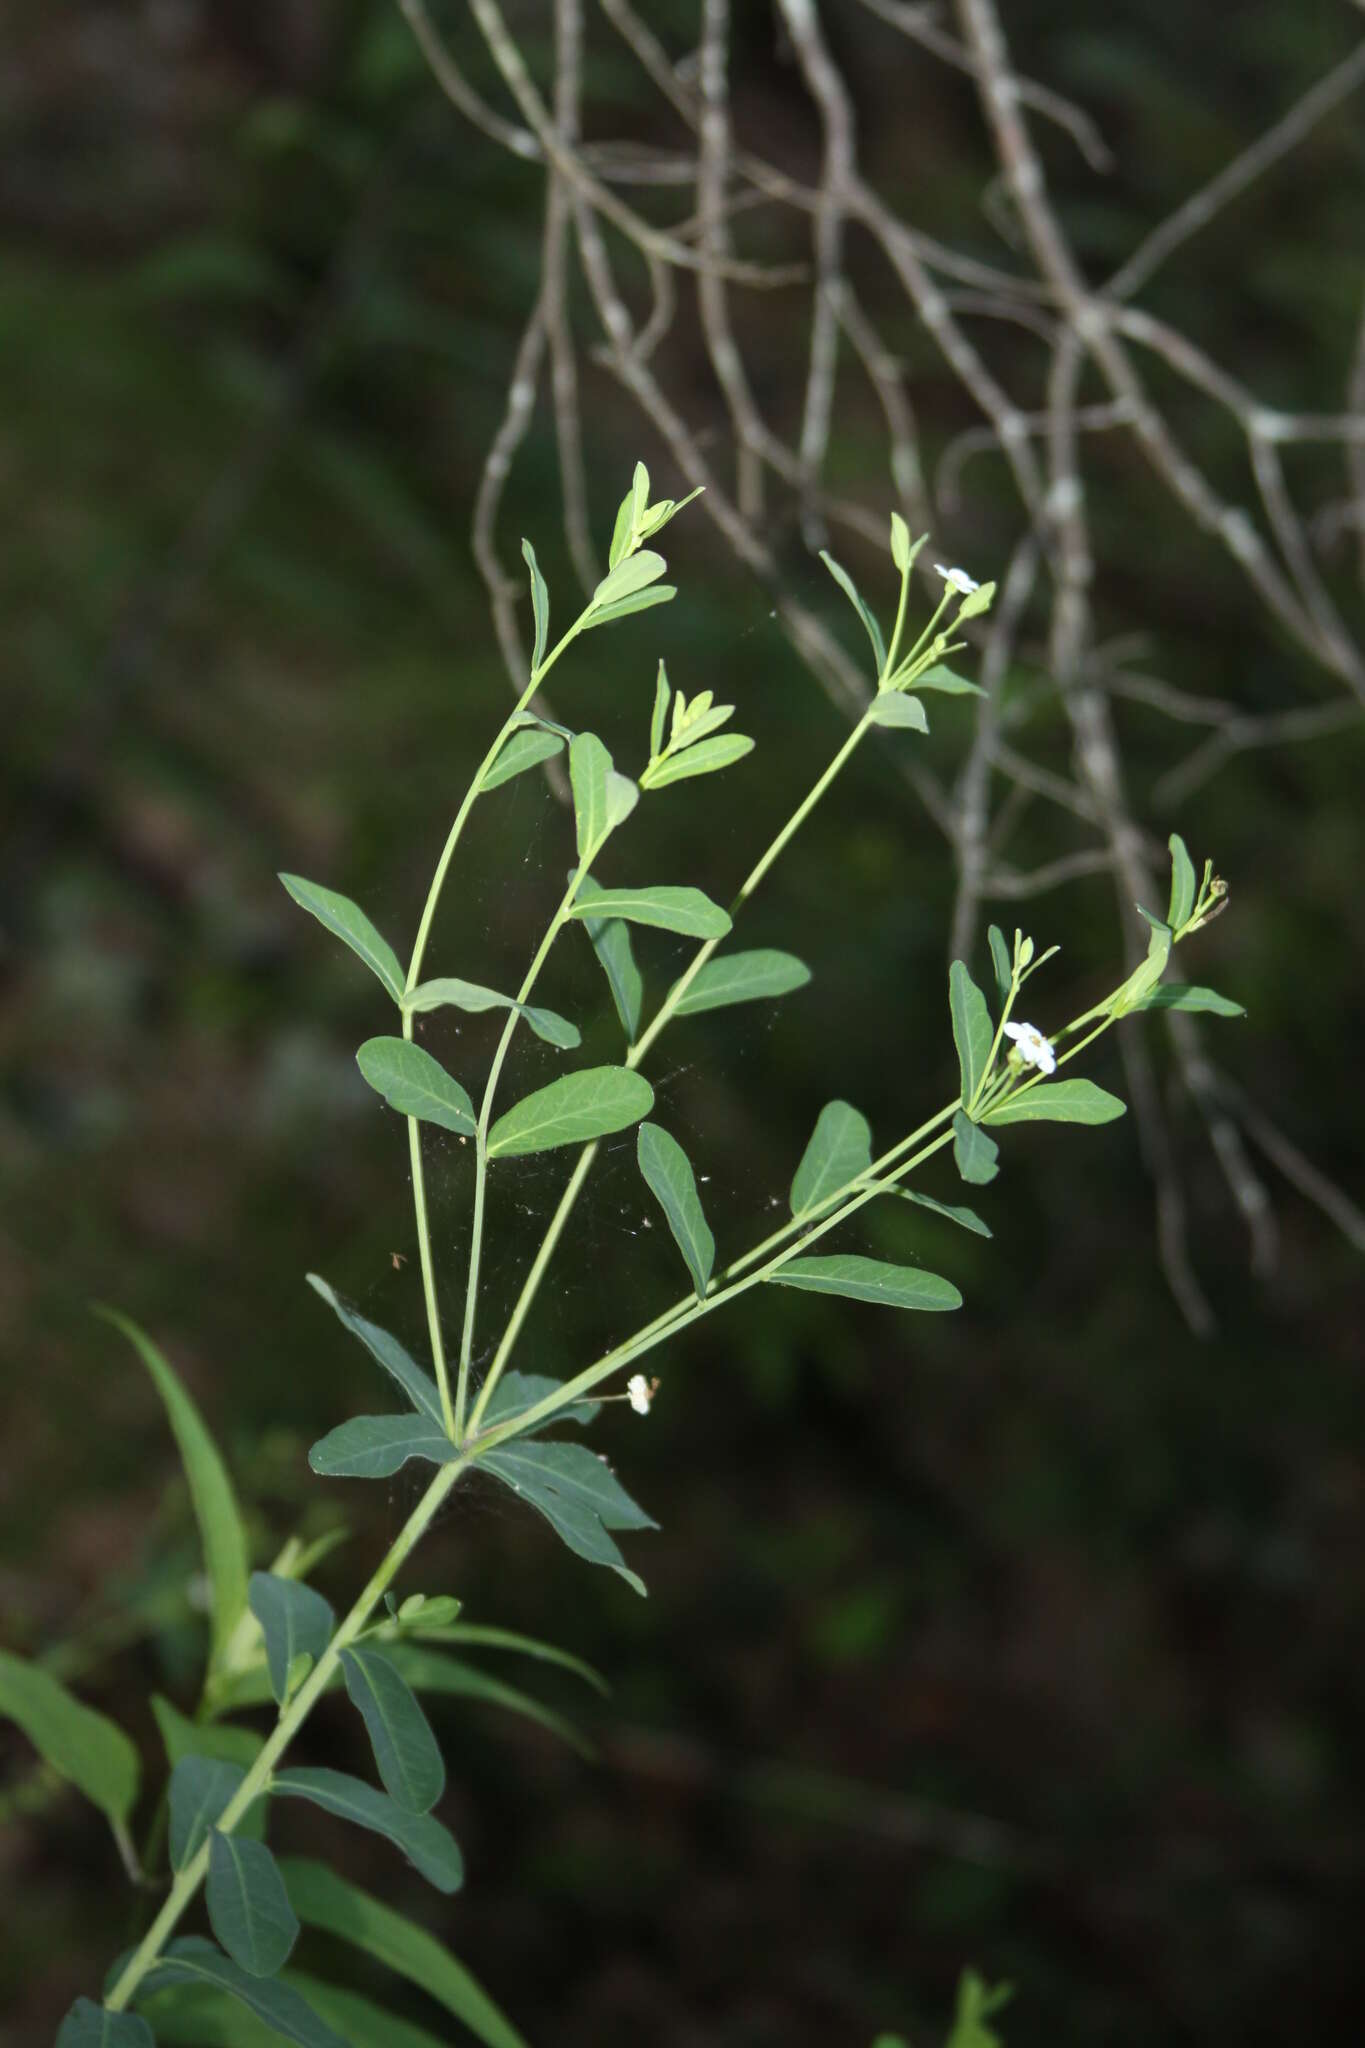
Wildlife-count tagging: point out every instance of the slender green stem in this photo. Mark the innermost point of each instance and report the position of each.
(257, 1779)
(419, 1205)
(926, 635)
(889, 666)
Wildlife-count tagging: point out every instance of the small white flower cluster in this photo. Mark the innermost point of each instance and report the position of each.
(640, 1393)
(958, 580)
(1033, 1049)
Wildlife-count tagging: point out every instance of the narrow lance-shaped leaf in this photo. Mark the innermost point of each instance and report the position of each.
(890, 708)
(972, 1029)
(1059, 1102)
(433, 1671)
(975, 1153)
(948, 681)
(248, 1906)
(851, 592)
(751, 977)
(348, 922)
(668, 1172)
(428, 1846)
(89, 1750)
(525, 749)
(589, 766)
(571, 1111)
(869, 1280)
(418, 1385)
(221, 1530)
(540, 604)
(966, 1219)
(201, 1787)
(449, 990)
(628, 578)
(1003, 964)
(296, 1622)
(415, 1084)
(638, 601)
(89, 2026)
(706, 758)
(1179, 995)
(1183, 883)
(610, 940)
(840, 1150)
(656, 723)
(328, 1903)
(670, 909)
(374, 1446)
(192, 1960)
(405, 1749)
(578, 1495)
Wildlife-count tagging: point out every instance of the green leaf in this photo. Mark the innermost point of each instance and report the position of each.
(419, 1386)
(328, 1903)
(428, 1670)
(374, 1446)
(840, 1149)
(540, 604)
(363, 2023)
(668, 1172)
(1180, 995)
(977, 601)
(348, 922)
(526, 748)
(518, 1391)
(966, 1218)
(478, 1637)
(742, 978)
(578, 1495)
(948, 680)
(295, 1621)
(90, 2026)
(628, 578)
(1002, 962)
(671, 909)
(86, 1748)
(182, 1737)
(610, 940)
(900, 544)
(589, 1104)
(192, 1960)
(973, 1032)
(429, 1847)
(623, 529)
(974, 1153)
(589, 766)
(656, 723)
(869, 1280)
(415, 1084)
(1183, 884)
(703, 759)
(891, 708)
(248, 1906)
(221, 1531)
(1058, 1102)
(201, 1787)
(661, 593)
(850, 590)
(468, 995)
(410, 1763)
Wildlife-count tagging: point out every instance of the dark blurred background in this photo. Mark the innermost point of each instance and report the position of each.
(1029, 1637)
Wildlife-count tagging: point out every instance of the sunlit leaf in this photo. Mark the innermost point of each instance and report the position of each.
(946, 679)
(328, 1903)
(656, 724)
(967, 1219)
(840, 1149)
(419, 1386)
(891, 708)
(1059, 1102)
(1179, 995)
(869, 1280)
(639, 601)
(1183, 884)
(628, 577)
(295, 1621)
(201, 1787)
(578, 1495)
(973, 1031)
(668, 1172)
(602, 799)
(540, 604)
(374, 1446)
(742, 978)
(449, 990)
(248, 1906)
(671, 909)
(852, 593)
(589, 1104)
(610, 939)
(348, 922)
(975, 1154)
(221, 1530)
(192, 1960)
(526, 748)
(703, 759)
(89, 1750)
(428, 1846)
(410, 1763)
(415, 1084)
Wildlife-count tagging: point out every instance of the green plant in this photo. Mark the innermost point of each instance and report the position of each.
(273, 1638)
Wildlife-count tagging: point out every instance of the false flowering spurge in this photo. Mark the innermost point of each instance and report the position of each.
(273, 1638)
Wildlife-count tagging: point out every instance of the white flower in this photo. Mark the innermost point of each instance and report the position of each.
(640, 1393)
(1033, 1049)
(958, 580)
